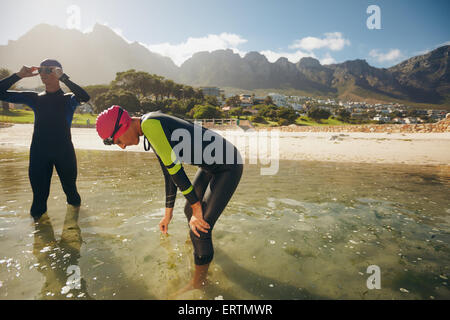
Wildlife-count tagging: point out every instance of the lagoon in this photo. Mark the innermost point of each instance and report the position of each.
(308, 232)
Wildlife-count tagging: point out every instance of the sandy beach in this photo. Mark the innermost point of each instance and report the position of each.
(361, 147)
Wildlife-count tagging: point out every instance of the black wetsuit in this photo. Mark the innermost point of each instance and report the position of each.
(52, 142)
(177, 141)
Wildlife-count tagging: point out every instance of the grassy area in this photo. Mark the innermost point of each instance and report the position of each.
(17, 116)
(27, 116)
(306, 121)
(82, 118)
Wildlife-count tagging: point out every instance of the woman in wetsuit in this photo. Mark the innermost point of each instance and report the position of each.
(177, 141)
(52, 142)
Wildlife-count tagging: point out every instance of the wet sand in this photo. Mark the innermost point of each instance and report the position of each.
(395, 148)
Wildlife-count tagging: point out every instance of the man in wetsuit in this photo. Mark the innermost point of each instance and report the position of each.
(175, 141)
(52, 142)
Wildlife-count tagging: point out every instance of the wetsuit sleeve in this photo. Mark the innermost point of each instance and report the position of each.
(20, 97)
(171, 188)
(80, 95)
(155, 134)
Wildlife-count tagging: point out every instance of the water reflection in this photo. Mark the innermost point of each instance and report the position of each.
(58, 260)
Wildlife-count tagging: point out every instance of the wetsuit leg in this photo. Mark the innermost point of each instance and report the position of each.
(200, 183)
(40, 173)
(66, 167)
(216, 196)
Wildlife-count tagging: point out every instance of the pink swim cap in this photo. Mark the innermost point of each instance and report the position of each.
(106, 122)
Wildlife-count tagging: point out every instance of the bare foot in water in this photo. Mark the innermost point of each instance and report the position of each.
(198, 282)
(189, 287)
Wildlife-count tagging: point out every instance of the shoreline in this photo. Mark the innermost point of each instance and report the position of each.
(359, 147)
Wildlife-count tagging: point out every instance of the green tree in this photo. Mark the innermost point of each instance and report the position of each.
(198, 94)
(95, 90)
(283, 122)
(168, 88)
(149, 105)
(236, 112)
(268, 101)
(205, 112)
(4, 73)
(233, 101)
(178, 108)
(288, 114)
(269, 112)
(258, 119)
(318, 114)
(343, 115)
(121, 97)
(212, 100)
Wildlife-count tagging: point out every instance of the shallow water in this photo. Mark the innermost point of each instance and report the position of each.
(309, 232)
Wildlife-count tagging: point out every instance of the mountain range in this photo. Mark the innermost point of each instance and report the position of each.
(96, 56)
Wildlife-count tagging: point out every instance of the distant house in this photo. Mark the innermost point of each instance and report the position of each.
(278, 99)
(409, 120)
(297, 107)
(258, 100)
(246, 100)
(398, 120)
(381, 118)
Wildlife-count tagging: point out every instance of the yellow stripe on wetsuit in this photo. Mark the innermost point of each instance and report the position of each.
(185, 192)
(155, 134)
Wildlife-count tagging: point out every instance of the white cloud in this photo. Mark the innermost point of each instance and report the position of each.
(333, 41)
(328, 59)
(390, 56)
(183, 51)
(293, 57)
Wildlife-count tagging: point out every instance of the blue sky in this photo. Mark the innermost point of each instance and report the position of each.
(331, 31)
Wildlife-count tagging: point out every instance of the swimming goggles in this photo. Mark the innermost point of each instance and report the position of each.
(110, 141)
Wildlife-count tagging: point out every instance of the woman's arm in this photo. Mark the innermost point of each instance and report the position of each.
(171, 188)
(155, 134)
(80, 94)
(19, 97)
(171, 193)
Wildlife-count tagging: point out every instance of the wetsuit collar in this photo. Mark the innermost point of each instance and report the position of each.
(59, 91)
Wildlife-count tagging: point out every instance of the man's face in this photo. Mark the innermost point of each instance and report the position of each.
(48, 75)
(129, 138)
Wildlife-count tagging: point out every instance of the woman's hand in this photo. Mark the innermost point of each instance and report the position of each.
(58, 72)
(164, 224)
(26, 72)
(197, 222)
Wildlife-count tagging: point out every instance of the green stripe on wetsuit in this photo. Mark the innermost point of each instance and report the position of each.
(155, 134)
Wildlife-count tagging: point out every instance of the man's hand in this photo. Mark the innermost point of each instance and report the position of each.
(26, 72)
(197, 222)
